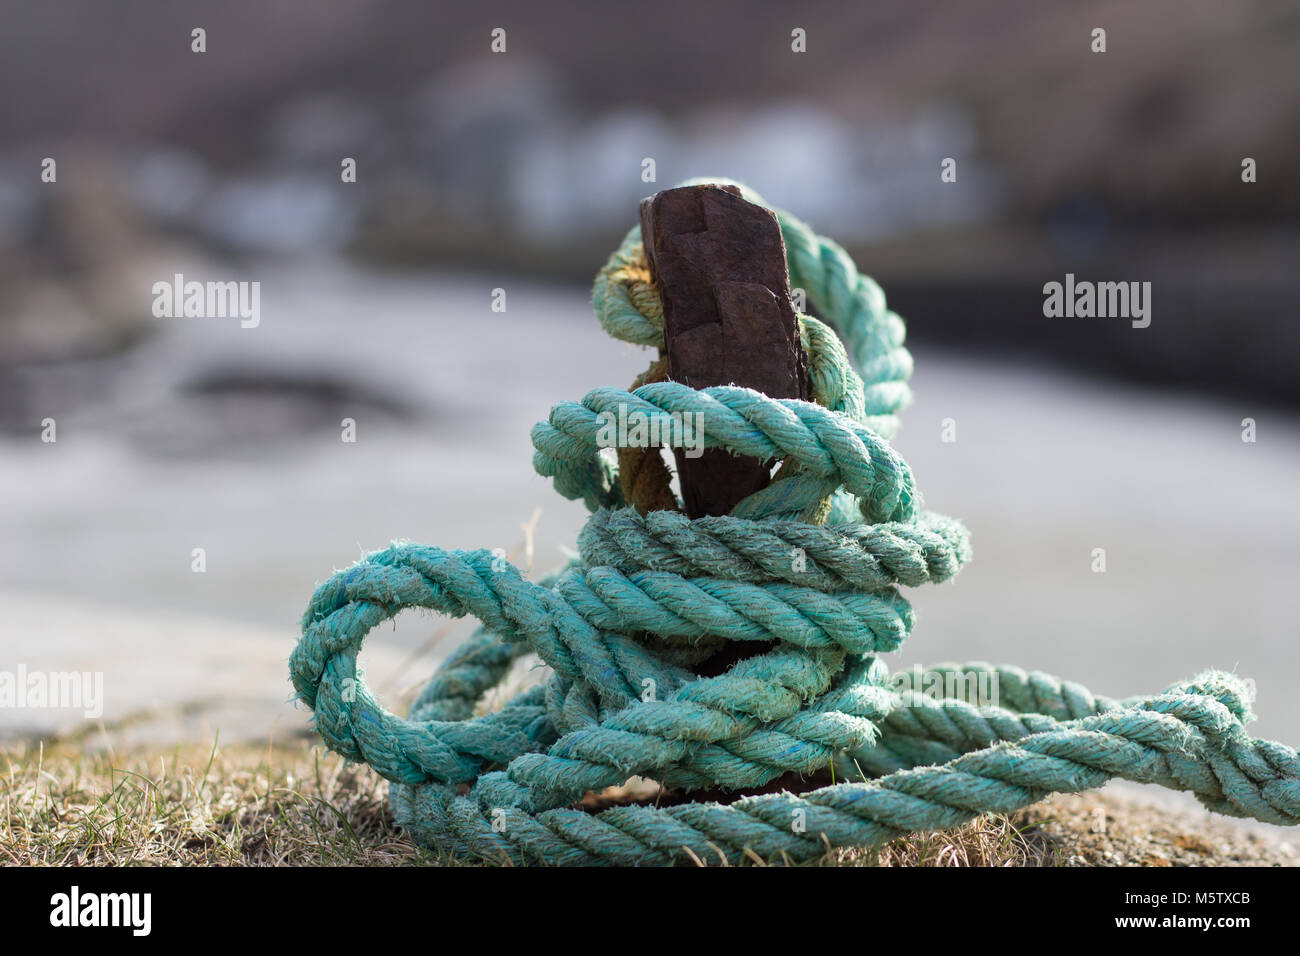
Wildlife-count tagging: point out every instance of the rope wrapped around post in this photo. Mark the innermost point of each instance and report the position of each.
(811, 565)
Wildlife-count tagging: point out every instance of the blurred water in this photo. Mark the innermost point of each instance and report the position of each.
(228, 439)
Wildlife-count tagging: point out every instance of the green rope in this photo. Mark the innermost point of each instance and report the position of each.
(628, 626)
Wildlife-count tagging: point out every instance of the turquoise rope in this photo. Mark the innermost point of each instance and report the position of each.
(626, 626)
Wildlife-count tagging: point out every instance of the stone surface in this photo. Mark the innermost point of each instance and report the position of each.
(156, 676)
(1200, 529)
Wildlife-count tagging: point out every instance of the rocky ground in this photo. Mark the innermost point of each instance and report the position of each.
(1115, 828)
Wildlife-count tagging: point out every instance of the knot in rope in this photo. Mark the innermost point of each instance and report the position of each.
(804, 574)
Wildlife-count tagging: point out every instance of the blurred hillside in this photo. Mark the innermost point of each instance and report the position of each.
(522, 170)
(1123, 165)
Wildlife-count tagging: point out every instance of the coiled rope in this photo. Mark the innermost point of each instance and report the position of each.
(808, 570)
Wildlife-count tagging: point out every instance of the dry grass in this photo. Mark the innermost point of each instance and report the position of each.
(196, 807)
(300, 805)
(990, 840)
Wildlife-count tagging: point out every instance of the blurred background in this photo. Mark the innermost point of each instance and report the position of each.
(520, 171)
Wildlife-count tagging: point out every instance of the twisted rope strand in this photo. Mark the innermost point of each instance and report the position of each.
(806, 570)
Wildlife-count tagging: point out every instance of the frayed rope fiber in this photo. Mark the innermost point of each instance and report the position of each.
(807, 571)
